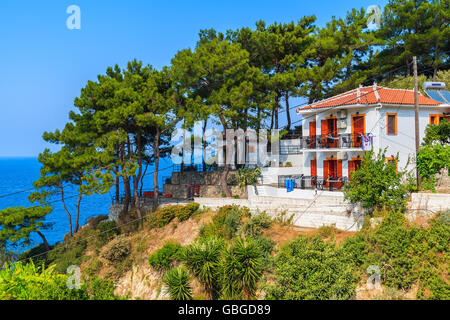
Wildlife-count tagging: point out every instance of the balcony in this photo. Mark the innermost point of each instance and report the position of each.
(313, 182)
(340, 141)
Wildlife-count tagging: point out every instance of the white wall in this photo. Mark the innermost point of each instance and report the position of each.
(404, 141)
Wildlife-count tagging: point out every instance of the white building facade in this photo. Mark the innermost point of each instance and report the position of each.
(338, 130)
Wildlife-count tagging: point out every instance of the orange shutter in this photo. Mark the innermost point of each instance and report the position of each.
(339, 172)
(313, 167)
(339, 168)
(312, 128)
(324, 127)
(351, 168)
(325, 171)
(312, 134)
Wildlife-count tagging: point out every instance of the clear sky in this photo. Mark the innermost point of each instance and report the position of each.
(44, 65)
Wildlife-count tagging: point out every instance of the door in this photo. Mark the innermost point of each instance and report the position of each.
(358, 128)
(333, 133)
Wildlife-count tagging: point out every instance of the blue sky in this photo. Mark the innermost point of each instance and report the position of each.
(44, 65)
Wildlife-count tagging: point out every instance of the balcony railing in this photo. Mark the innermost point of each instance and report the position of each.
(313, 182)
(340, 141)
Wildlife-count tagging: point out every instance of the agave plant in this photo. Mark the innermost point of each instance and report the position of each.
(242, 269)
(177, 282)
(202, 258)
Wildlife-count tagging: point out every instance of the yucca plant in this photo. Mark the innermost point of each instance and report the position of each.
(177, 282)
(203, 258)
(242, 269)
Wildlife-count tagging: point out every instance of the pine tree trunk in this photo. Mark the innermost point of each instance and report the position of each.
(137, 178)
(117, 186)
(67, 211)
(77, 219)
(223, 181)
(155, 174)
(44, 241)
(288, 115)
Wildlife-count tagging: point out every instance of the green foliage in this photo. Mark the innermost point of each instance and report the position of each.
(432, 159)
(166, 214)
(242, 269)
(18, 223)
(94, 267)
(66, 254)
(248, 176)
(376, 184)
(185, 212)
(117, 250)
(439, 133)
(177, 282)
(203, 258)
(27, 282)
(101, 289)
(256, 224)
(93, 222)
(311, 269)
(226, 222)
(163, 258)
(107, 230)
(405, 254)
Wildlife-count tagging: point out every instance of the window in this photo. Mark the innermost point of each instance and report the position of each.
(436, 118)
(432, 119)
(392, 160)
(391, 123)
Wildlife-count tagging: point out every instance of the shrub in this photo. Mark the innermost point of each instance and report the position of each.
(377, 184)
(255, 225)
(311, 269)
(28, 282)
(66, 254)
(177, 282)
(117, 250)
(247, 176)
(94, 267)
(165, 215)
(225, 223)
(185, 212)
(405, 254)
(93, 222)
(107, 230)
(101, 289)
(163, 258)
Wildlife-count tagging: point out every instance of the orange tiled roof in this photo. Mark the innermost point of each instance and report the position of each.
(372, 95)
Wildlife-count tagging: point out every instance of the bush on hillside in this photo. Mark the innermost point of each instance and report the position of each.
(256, 224)
(29, 282)
(311, 269)
(226, 222)
(406, 254)
(117, 250)
(107, 230)
(163, 258)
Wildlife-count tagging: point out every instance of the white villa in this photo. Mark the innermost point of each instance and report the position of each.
(337, 131)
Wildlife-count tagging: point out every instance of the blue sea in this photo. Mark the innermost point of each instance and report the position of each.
(17, 174)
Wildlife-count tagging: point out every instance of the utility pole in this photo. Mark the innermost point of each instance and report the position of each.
(416, 117)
